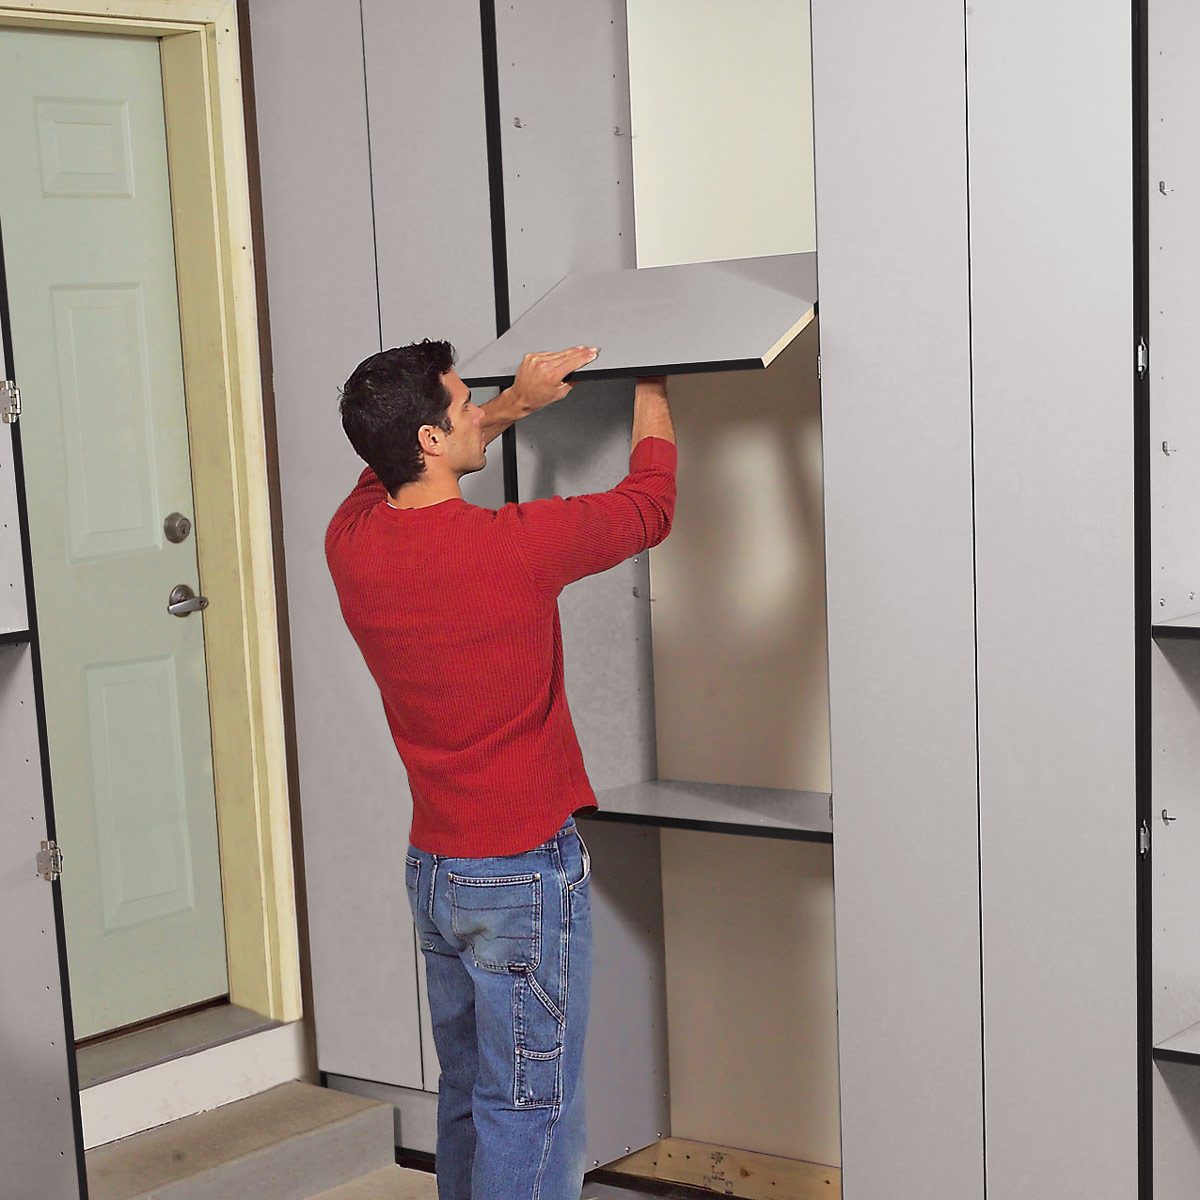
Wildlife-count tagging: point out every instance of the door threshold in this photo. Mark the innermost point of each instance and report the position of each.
(190, 1033)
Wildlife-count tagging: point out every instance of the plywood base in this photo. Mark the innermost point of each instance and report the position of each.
(730, 1172)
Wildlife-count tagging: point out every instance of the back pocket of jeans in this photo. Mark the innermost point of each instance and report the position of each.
(500, 919)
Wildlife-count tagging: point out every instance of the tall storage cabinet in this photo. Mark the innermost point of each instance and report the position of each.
(1173, 582)
(977, 445)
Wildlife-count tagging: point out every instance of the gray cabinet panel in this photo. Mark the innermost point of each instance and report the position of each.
(14, 616)
(39, 1110)
(1175, 702)
(890, 129)
(429, 166)
(736, 314)
(320, 261)
(433, 235)
(569, 207)
(1174, 161)
(1054, 519)
(1176, 1131)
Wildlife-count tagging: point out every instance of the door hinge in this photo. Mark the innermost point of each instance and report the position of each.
(10, 402)
(50, 861)
(831, 809)
(818, 366)
(1143, 357)
(1144, 840)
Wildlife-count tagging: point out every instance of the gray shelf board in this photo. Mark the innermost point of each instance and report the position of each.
(676, 800)
(735, 314)
(1183, 1047)
(1180, 627)
(14, 637)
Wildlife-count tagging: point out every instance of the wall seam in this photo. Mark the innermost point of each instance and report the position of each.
(975, 592)
(362, 29)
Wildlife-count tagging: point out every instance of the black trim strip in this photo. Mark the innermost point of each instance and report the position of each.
(491, 109)
(1143, 617)
(43, 736)
(416, 1160)
(763, 831)
(18, 637)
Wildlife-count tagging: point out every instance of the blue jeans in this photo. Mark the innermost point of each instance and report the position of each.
(508, 954)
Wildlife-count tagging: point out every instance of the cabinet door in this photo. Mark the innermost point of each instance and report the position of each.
(41, 1137)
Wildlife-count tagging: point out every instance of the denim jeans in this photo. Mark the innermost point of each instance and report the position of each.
(508, 954)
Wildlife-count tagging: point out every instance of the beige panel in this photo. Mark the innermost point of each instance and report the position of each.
(751, 998)
(721, 103)
(740, 668)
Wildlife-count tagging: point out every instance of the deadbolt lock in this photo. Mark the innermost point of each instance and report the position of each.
(177, 527)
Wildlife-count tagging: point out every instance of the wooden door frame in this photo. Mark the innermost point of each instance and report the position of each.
(210, 204)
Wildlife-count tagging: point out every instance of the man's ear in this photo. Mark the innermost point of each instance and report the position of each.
(430, 439)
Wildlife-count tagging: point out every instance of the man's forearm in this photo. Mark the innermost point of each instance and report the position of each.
(501, 412)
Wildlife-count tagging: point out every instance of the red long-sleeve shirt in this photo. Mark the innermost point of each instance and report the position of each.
(455, 610)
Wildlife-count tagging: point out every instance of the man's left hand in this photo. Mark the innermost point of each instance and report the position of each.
(539, 380)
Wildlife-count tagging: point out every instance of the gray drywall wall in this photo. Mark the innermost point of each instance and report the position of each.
(38, 1110)
(1054, 496)
(320, 266)
(890, 131)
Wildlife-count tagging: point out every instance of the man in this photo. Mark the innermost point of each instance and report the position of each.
(455, 610)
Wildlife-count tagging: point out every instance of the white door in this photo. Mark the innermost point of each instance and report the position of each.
(86, 222)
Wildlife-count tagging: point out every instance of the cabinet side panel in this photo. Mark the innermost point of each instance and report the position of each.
(38, 1110)
(1174, 249)
(1175, 671)
(890, 134)
(568, 193)
(1052, 355)
(320, 266)
(1176, 1131)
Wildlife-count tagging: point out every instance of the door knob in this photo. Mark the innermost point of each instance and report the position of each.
(184, 601)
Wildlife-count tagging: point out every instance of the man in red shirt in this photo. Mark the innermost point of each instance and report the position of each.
(455, 610)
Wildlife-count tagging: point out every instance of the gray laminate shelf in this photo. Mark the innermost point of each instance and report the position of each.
(735, 314)
(1179, 627)
(1183, 1047)
(777, 812)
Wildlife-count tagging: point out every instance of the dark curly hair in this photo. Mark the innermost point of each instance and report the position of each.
(387, 398)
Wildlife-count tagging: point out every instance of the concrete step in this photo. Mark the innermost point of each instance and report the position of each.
(290, 1143)
(390, 1183)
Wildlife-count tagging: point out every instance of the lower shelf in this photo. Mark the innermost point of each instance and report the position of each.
(14, 637)
(771, 812)
(1183, 1047)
